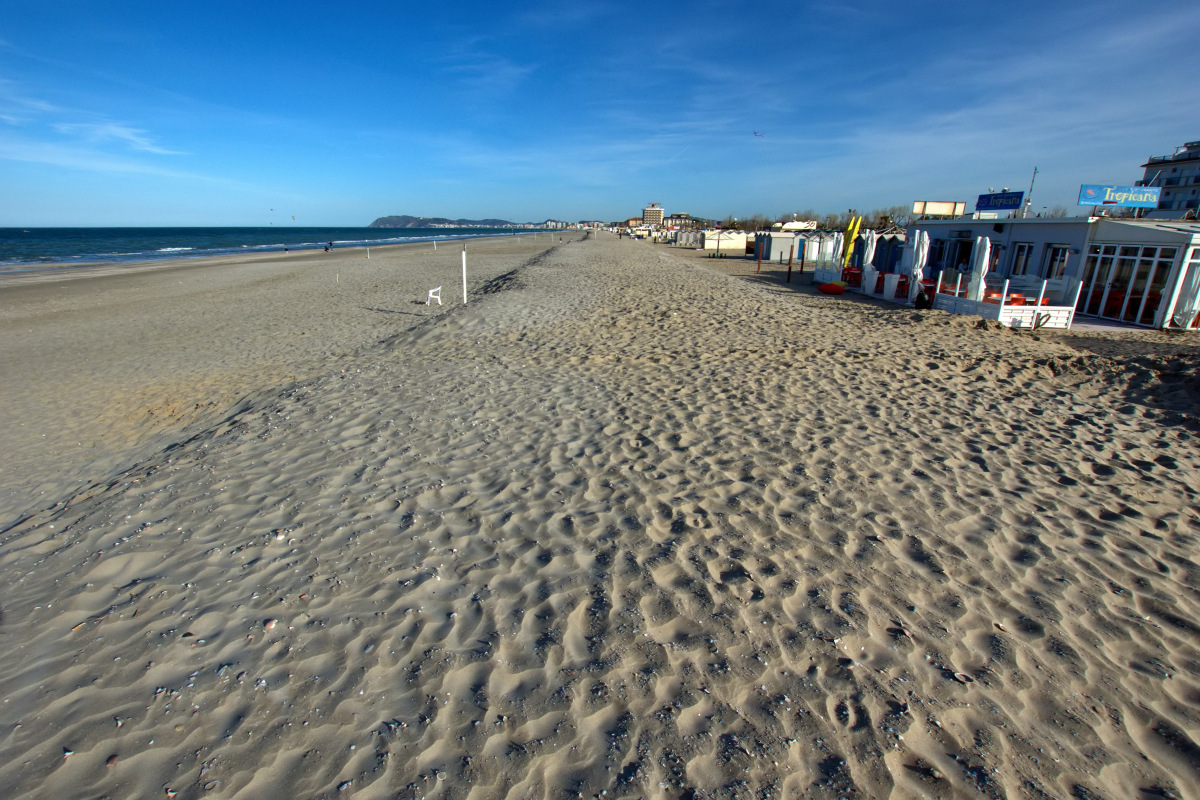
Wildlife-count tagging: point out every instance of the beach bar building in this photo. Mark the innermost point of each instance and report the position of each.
(1143, 272)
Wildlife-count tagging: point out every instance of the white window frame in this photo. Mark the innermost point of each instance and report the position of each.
(1047, 262)
(1019, 249)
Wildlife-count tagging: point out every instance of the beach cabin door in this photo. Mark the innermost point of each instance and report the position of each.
(1125, 282)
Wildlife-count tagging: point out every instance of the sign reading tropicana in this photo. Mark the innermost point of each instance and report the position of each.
(1091, 194)
(999, 201)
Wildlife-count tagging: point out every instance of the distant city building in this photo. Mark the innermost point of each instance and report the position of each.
(555, 224)
(633, 222)
(680, 222)
(1179, 176)
(653, 214)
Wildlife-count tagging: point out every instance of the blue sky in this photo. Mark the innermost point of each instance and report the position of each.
(214, 113)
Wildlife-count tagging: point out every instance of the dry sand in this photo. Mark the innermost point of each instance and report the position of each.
(627, 526)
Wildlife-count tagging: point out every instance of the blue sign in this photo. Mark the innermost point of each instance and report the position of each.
(1126, 196)
(1000, 201)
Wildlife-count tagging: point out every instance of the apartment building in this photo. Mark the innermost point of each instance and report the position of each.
(1179, 176)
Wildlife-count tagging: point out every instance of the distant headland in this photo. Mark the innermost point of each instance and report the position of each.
(405, 221)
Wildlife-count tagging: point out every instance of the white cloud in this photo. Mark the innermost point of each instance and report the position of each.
(134, 138)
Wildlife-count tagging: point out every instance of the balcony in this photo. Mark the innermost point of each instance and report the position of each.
(1187, 155)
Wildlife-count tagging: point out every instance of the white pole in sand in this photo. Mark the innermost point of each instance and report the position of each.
(368, 252)
(464, 274)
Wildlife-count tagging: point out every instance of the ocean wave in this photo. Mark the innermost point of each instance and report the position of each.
(172, 249)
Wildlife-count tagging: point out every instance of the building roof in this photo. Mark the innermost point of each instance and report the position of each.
(1189, 152)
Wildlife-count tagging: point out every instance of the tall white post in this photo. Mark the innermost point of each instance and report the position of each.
(464, 274)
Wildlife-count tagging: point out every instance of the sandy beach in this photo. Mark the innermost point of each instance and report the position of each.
(105, 364)
(633, 523)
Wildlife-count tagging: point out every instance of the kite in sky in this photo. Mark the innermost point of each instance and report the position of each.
(756, 133)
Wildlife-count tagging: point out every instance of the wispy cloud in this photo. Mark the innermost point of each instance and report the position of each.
(134, 138)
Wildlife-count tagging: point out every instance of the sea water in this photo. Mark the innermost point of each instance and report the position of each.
(40, 248)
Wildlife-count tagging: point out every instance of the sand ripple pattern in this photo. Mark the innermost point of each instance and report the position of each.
(627, 527)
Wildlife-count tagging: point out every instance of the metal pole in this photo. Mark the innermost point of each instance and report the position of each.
(1042, 294)
(1029, 197)
(791, 252)
(464, 274)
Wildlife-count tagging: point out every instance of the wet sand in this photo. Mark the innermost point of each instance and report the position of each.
(629, 526)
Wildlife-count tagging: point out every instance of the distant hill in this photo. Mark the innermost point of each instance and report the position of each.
(405, 221)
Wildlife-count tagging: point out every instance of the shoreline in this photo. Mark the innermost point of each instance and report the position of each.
(64, 270)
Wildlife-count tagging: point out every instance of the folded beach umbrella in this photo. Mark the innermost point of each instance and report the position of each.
(920, 252)
(1188, 304)
(979, 267)
(836, 248)
(869, 239)
(848, 242)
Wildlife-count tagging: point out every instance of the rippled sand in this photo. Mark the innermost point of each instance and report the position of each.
(626, 526)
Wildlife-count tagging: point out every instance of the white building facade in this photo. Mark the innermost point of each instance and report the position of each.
(653, 215)
(1179, 176)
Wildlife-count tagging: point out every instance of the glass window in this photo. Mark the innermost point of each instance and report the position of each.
(1088, 297)
(1118, 287)
(1056, 262)
(1154, 294)
(1022, 251)
(1138, 288)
